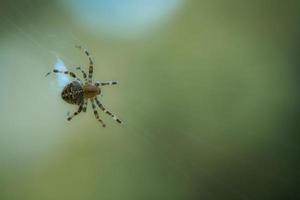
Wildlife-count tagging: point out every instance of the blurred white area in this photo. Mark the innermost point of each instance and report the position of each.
(122, 18)
(62, 79)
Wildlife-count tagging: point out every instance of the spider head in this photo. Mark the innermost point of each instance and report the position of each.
(91, 91)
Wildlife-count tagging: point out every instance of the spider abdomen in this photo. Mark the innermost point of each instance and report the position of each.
(73, 93)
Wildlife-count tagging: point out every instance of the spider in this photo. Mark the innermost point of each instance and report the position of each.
(79, 93)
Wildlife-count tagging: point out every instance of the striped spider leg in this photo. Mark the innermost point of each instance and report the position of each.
(83, 73)
(104, 83)
(85, 103)
(71, 74)
(76, 112)
(106, 111)
(96, 113)
(91, 62)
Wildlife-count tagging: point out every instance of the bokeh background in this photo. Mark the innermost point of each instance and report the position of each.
(209, 91)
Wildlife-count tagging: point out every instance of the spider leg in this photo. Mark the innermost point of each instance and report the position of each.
(103, 83)
(83, 73)
(75, 113)
(84, 105)
(107, 112)
(96, 113)
(72, 74)
(91, 66)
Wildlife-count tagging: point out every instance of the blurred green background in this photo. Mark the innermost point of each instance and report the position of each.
(209, 91)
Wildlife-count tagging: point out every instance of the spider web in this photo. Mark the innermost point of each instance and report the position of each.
(181, 144)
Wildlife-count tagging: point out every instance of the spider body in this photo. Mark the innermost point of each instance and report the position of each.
(79, 93)
(75, 92)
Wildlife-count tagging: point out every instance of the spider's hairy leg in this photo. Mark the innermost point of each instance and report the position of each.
(103, 83)
(96, 113)
(83, 73)
(91, 62)
(75, 113)
(107, 112)
(84, 105)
